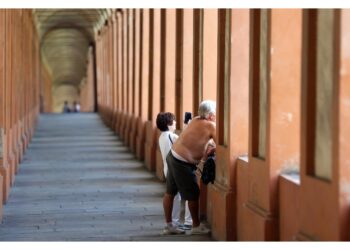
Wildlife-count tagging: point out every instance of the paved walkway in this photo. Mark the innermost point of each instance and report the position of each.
(78, 182)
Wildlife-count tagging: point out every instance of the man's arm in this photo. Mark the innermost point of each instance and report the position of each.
(213, 132)
(210, 148)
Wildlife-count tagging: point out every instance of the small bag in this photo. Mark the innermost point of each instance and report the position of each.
(208, 172)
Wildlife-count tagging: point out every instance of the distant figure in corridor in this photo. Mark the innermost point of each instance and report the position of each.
(66, 108)
(186, 153)
(76, 107)
(167, 124)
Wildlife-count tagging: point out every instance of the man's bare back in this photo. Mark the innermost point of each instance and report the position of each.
(192, 141)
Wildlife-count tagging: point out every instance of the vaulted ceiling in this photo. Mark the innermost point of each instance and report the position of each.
(65, 36)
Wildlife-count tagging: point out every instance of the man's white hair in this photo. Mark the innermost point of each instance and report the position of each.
(206, 108)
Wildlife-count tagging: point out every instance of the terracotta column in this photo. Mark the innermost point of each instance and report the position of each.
(114, 67)
(100, 73)
(197, 59)
(9, 95)
(4, 169)
(1, 196)
(187, 66)
(154, 88)
(160, 77)
(343, 126)
(87, 96)
(111, 55)
(130, 81)
(107, 71)
(45, 88)
(136, 73)
(103, 71)
(98, 69)
(125, 64)
(167, 80)
(120, 71)
(144, 97)
(16, 72)
(209, 75)
(25, 97)
(168, 95)
(274, 118)
(232, 119)
(325, 150)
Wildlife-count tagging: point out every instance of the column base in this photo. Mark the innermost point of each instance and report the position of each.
(5, 187)
(150, 149)
(127, 130)
(25, 142)
(259, 224)
(301, 236)
(117, 123)
(140, 140)
(1, 197)
(17, 160)
(12, 167)
(140, 148)
(114, 120)
(223, 221)
(122, 124)
(133, 134)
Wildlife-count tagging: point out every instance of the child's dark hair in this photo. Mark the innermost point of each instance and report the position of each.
(164, 120)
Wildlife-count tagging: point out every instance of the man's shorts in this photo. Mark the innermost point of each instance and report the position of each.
(181, 178)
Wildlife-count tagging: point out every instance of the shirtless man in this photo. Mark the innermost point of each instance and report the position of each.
(186, 153)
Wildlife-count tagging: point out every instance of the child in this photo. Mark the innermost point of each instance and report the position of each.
(167, 124)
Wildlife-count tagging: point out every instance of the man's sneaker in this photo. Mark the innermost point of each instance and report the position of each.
(185, 226)
(201, 229)
(172, 230)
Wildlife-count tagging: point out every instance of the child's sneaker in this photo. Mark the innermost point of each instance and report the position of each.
(201, 229)
(171, 229)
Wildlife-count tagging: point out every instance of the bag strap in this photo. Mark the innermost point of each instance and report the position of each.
(170, 139)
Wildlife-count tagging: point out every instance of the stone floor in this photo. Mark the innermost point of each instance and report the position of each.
(78, 182)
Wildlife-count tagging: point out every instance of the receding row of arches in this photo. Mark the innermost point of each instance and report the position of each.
(279, 79)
